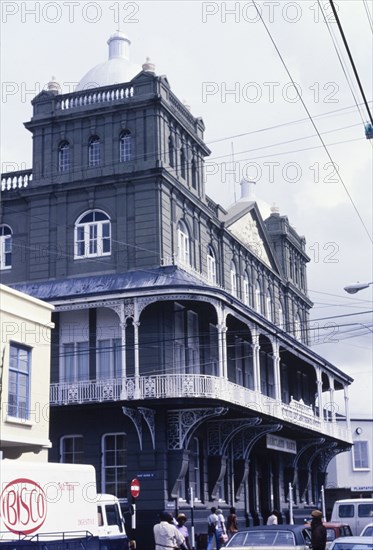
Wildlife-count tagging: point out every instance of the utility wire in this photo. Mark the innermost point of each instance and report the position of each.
(284, 142)
(351, 60)
(314, 125)
(340, 60)
(369, 16)
(326, 115)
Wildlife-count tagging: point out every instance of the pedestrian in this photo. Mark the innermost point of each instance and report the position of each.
(221, 529)
(232, 526)
(181, 521)
(212, 524)
(273, 518)
(166, 535)
(318, 531)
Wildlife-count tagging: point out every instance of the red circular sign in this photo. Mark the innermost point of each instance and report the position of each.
(135, 488)
(23, 506)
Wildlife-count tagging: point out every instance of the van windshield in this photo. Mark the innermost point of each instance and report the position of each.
(113, 516)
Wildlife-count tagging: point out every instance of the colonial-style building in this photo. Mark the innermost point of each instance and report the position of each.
(180, 354)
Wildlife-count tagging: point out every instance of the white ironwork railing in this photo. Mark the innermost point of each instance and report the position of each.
(16, 180)
(118, 92)
(190, 386)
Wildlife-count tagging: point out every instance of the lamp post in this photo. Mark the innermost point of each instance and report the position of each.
(352, 289)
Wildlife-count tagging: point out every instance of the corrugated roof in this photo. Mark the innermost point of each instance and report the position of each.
(101, 284)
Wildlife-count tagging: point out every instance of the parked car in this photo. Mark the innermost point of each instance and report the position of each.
(268, 536)
(334, 531)
(352, 543)
(367, 531)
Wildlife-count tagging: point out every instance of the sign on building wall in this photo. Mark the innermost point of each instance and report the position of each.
(281, 444)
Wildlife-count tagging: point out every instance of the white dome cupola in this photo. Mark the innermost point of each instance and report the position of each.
(116, 70)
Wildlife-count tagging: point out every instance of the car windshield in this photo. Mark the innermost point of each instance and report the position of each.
(263, 538)
(368, 531)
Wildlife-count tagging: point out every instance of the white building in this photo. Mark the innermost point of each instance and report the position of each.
(25, 325)
(350, 474)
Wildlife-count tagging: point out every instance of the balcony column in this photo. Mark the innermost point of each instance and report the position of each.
(347, 408)
(331, 399)
(276, 370)
(136, 325)
(256, 360)
(222, 339)
(123, 325)
(319, 395)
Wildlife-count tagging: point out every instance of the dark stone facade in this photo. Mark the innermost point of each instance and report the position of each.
(180, 340)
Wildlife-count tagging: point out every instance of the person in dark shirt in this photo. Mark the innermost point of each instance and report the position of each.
(318, 531)
(232, 526)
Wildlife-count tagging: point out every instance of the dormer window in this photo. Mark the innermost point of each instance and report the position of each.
(64, 156)
(93, 235)
(94, 153)
(5, 247)
(125, 146)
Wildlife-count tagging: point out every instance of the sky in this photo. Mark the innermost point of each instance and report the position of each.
(276, 91)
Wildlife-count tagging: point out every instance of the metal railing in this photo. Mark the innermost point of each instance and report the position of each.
(171, 386)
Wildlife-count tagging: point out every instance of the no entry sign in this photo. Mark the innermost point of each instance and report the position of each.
(135, 488)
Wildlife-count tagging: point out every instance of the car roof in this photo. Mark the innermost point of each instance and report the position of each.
(331, 524)
(353, 500)
(283, 526)
(352, 540)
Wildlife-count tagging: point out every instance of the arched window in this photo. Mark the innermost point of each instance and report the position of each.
(183, 161)
(94, 153)
(246, 290)
(211, 266)
(5, 247)
(258, 297)
(171, 151)
(281, 316)
(125, 146)
(93, 235)
(64, 156)
(233, 278)
(183, 242)
(298, 327)
(269, 305)
(194, 173)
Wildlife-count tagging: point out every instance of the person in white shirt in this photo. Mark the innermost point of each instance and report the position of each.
(212, 523)
(221, 529)
(166, 535)
(273, 519)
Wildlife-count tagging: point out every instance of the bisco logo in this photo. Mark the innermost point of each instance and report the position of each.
(23, 506)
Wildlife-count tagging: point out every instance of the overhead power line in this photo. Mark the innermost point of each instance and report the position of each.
(347, 76)
(369, 15)
(351, 60)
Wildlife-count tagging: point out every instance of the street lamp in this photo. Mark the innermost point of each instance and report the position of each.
(352, 289)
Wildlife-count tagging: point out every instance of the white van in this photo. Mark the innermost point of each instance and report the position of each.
(357, 512)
